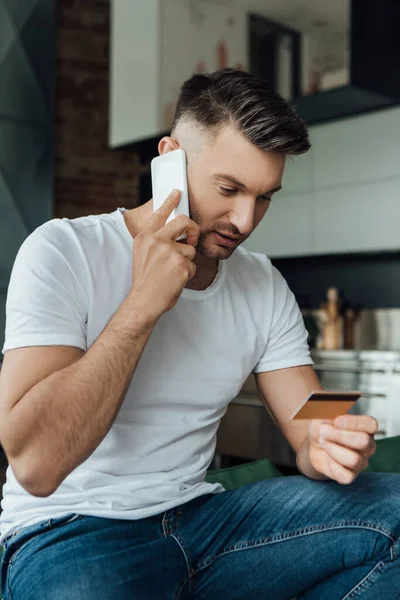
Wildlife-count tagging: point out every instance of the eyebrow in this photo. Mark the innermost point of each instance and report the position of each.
(241, 185)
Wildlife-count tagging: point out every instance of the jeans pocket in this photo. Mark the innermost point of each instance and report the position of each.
(19, 540)
(66, 520)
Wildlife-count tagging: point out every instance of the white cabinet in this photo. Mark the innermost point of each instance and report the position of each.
(286, 228)
(135, 47)
(357, 150)
(358, 218)
(155, 46)
(343, 196)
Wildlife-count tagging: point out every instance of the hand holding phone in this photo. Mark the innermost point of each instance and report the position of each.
(161, 266)
(168, 172)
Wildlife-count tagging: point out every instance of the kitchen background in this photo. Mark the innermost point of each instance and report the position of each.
(86, 90)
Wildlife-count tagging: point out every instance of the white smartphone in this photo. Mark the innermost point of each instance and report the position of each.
(168, 172)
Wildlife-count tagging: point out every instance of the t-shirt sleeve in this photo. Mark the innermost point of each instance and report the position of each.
(287, 337)
(46, 299)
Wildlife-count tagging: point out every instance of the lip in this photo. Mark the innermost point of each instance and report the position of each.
(225, 241)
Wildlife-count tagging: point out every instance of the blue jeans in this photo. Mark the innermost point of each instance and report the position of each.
(275, 539)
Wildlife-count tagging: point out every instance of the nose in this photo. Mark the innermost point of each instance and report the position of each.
(242, 215)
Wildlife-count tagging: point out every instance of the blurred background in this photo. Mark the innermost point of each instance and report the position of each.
(88, 88)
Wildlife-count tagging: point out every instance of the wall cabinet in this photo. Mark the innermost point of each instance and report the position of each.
(157, 45)
(363, 218)
(287, 227)
(373, 71)
(343, 196)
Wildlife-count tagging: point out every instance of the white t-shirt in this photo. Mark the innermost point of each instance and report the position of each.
(69, 278)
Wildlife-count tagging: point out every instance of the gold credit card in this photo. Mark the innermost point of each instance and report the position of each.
(326, 405)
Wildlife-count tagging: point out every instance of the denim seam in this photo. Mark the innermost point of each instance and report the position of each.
(394, 551)
(8, 587)
(165, 525)
(188, 581)
(298, 533)
(366, 582)
(185, 553)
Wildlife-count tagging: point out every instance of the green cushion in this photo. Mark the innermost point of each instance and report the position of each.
(387, 456)
(236, 477)
(386, 459)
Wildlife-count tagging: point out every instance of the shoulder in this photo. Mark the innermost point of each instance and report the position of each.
(70, 238)
(65, 249)
(89, 227)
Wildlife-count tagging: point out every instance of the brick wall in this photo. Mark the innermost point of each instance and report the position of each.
(90, 178)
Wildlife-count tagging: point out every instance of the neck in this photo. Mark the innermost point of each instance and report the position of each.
(206, 268)
(206, 271)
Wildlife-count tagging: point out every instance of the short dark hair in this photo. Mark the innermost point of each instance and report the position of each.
(248, 103)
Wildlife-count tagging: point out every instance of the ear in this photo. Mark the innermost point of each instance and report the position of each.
(167, 144)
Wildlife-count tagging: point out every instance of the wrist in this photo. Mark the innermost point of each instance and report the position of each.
(137, 314)
(304, 465)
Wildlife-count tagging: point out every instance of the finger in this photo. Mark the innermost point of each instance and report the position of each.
(188, 251)
(185, 242)
(357, 423)
(193, 240)
(160, 216)
(191, 269)
(340, 473)
(344, 456)
(178, 226)
(315, 428)
(357, 440)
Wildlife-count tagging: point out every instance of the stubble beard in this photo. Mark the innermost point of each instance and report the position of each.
(213, 252)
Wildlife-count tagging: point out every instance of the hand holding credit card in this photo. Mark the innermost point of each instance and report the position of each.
(321, 404)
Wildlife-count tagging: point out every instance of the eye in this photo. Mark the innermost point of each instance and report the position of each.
(227, 191)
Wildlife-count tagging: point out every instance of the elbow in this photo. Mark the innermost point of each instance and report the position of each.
(35, 481)
(40, 491)
(35, 477)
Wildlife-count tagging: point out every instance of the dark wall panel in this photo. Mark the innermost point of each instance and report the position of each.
(27, 59)
(365, 280)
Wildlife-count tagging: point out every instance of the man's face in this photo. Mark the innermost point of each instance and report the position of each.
(231, 183)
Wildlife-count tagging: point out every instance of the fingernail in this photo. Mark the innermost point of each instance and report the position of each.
(321, 441)
(174, 192)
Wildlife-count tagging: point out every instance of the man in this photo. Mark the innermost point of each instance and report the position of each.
(117, 373)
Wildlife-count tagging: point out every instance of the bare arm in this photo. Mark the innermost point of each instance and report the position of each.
(58, 423)
(282, 392)
(57, 404)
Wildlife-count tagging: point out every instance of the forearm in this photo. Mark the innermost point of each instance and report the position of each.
(64, 418)
(303, 462)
